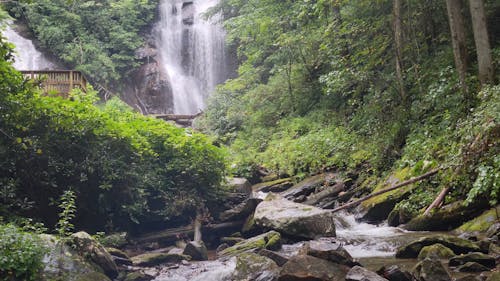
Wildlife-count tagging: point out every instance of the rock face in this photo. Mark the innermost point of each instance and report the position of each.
(240, 211)
(359, 273)
(300, 191)
(84, 244)
(472, 267)
(457, 245)
(295, 219)
(254, 267)
(149, 89)
(62, 262)
(328, 251)
(431, 270)
(309, 268)
(196, 250)
(394, 273)
(270, 240)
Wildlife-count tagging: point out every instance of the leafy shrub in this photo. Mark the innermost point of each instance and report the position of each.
(21, 254)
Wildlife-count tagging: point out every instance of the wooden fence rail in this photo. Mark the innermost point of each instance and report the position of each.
(60, 81)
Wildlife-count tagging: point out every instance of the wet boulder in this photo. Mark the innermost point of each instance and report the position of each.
(295, 219)
(480, 258)
(472, 267)
(154, 259)
(119, 257)
(436, 251)
(196, 250)
(87, 246)
(254, 267)
(431, 270)
(358, 273)
(240, 185)
(457, 245)
(270, 240)
(240, 211)
(446, 218)
(309, 268)
(328, 250)
(279, 259)
(394, 273)
(301, 190)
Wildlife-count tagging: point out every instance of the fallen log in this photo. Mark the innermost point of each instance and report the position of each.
(329, 191)
(438, 201)
(405, 183)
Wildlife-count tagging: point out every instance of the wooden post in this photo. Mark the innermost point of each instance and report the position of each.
(70, 81)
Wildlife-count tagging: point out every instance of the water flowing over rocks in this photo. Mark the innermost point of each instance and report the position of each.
(295, 219)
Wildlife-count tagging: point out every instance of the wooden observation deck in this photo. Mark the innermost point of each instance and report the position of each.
(60, 81)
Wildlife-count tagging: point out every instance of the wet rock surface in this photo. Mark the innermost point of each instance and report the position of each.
(457, 245)
(328, 250)
(295, 219)
(431, 270)
(358, 273)
(483, 259)
(270, 240)
(307, 268)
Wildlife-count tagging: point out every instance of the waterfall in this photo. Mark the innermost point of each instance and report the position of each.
(27, 57)
(191, 52)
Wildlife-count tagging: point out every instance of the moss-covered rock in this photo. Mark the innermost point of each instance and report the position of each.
(278, 185)
(431, 270)
(295, 219)
(92, 276)
(88, 247)
(437, 251)
(254, 267)
(446, 218)
(457, 245)
(138, 276)
(196, 250)
(153, 259)
(270, 240)
(379, 207)
(481, 223)
(472, 267)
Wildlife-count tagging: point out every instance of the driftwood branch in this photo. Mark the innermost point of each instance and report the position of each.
(410, 181)
(439, 199)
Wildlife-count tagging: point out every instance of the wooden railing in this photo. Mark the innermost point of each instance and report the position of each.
(60, 81)
(180, 119)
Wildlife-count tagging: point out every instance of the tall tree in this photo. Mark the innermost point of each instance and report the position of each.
(458, 37)
(398, 42)
(483, 49)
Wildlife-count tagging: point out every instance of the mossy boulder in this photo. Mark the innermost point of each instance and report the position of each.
(472, 267)
(270, 240)
(295, 219)
(437, 251)
(457, 245)
(138, 276)
(196, 250)
(254, 267)
(446, 218)
(431, 270)
(481, 223)
(378, 208)
(153, 259)
(278, 185)
(480, 258)
(92, 276)
(304, 188)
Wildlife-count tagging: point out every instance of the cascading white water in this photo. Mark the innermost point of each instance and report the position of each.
(191, 52)
(27, 57)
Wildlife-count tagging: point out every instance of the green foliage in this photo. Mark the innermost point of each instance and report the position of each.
(21, 254)
(127, 171)
(98, 38)
(67, 205)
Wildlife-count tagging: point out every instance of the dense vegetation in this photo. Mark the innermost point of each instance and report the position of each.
(348, 85)
(125, 171)
(98, 38)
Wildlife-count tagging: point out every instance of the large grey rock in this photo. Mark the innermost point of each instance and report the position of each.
(309, 268)
(431, 270)
(240, 211)
(241, 185)
(295, 219)
(472, 267)
(87, 246)
(358, 273)
(329, 251)
(304, 188)
(196, 250)
(278, 185)
(278, 258)
(457, 245)
(394, 273)
(270, 240)
(254, 267)
(62, 262)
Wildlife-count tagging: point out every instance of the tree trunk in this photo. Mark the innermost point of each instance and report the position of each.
(458, 37)
(483, 49)
(398, 42)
